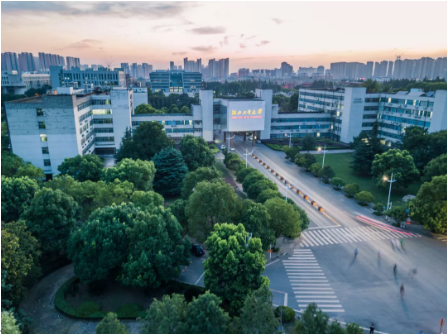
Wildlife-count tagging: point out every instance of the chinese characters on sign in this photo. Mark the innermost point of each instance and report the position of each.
(246, 113)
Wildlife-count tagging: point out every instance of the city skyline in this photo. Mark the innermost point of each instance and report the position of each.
(157, 33)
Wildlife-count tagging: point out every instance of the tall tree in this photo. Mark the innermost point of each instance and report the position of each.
(17, 194)
(196, 152)
(147, 200)
(242, 172)
(436, 167)
(20, 259)
(9, 325)
(308, 143)
(398, 213)
(251, 179)
(82, 168)
(366, 145)
(256, 220)
(284, 220)
(166, 316)
(255, 189)
(110, 325)
(372, 86)
(209, 204)
(291, 153)
(233, 269)
(205, 316)
(415, 140)
(31, 171)
(398, 162)
(178, 210)
(149, 138)
(170, 171)
(199, 175)
(140, 173)
(266, 195)
(306, 160)
(430, 205)
(50, 217)
(313, 321)
(10, 163)
(257, 316)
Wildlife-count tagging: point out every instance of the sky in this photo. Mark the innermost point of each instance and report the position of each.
(252, 34)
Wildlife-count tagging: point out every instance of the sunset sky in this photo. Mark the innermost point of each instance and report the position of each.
(251, 34)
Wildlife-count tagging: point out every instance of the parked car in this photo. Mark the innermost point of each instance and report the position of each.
(232, 149)
(197, 250)
(223, 147)
(258, 141)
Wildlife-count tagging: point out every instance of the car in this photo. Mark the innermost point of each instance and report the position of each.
(223, 147)
(232, 149)
(250, 138)
(197, 250)
(258, 141)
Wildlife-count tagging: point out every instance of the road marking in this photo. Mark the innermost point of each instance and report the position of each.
(199, 279)
(307, 284)
(320, 305)
(286, 299)
(271, 262)
(304, 281)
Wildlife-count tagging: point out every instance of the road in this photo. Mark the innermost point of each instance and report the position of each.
(322, 267)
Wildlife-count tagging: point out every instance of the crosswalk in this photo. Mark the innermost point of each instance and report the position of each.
(442, 238)
(322, 237)
(309, 283)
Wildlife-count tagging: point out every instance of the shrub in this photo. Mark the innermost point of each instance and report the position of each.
(315, 168)
(378, 209)
(351, 189)
(287, 313)
(87, 308)
(337, 183)
(364, 197)
(326, 173)
(131, 310)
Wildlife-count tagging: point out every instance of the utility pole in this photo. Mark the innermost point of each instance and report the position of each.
(246, 157)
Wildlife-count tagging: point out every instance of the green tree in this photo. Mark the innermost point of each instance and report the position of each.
(337, 183)
(305, 221)
(397, 213)
(147, 200)
(31, 171)
(436, 167)
(209, 204)
(315, 168)
(398, 162)
(234, 164)
(335, 328)
(366, 145)
(291, 153)
(251, 179)
(364, 197)
(50, 217)
(256, 220)
(170, 171)
(266, 195)
(313, 321)
(430, 206)
(144, 248)
(173, 109)
(326, 173)
(17, 194)
(306, 160)
(178, 210)
(351, 189)
(299, 159)
(82, 168)
(147, 109)
(196, 152)
(10, 163)
(284, 220)
(233, 270)
(185, 110)
(5, 136)
(20, 259)
(416, 141)
(140, 173)
(199, 175)
(9, 325)
(372, 86)
(166, 316)
(205, 316)
(255, 189)
(149, 138)
(242, 172)
(308, 143)
(110, 325)
(257, 316)
(354, 328)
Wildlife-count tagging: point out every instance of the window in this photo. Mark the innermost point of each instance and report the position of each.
(42, 125)
(43, 138)
(47, 162)
(101, 102)
(39, 112)
(45, 150)
(84, 105)
(102, 121)
(102, 112)
(103, 130)
(105, 139)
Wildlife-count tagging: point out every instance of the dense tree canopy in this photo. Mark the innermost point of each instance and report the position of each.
(436, 167)
(178, 210)
(82, 168)
(291, 153)
(284, 220)
(199, 175)
(308, 143)
(256, 220)
(147, 109)
(50, 217)
(256, 188)
(337, 183)
(430, 206)
(242, 172)
(110, 325)
(140, 173)
(166, 316)
(17, 194)
(398, 162)
(149, 138)
(9, 324)
(326, 173)
(144, 247)
(251, 179)
(196, 152)
(233, 270)
(351, 189)
(31, 171)
(209, 204)
(305, 160)
(10, 163)
(266, 195)
(366, 145)
(397, 213)
(170, 171)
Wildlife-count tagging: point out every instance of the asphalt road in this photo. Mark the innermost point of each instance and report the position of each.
(323, 268)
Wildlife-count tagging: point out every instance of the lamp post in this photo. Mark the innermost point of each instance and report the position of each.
(286, 192)
(388, 206)
(229, 141)
(324, 154)
(290, 139)
(246, 157)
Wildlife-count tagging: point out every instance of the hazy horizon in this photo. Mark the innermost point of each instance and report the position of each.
(251, 34)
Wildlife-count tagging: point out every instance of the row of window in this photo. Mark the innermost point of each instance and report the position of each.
(321, 103)
(88, 147)
(103, 130)
(298, 135)
(405, 120)
(372, 99)
(105, 139)
(86, 115)
(369, 108)
(84, 105)
(407, 102)
(304, 106)
(290, 120)
(322, 95)
(101, 102)
(407, 111)
(171, 123)
(102, 112)
(370, 116)
(389, 134)
(183, 130)
(102, 121)
(301, 127)
(365, 125)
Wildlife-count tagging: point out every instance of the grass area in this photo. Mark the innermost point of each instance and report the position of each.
(340, 163)
(278, 147)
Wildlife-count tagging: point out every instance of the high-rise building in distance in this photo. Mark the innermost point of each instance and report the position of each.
(9, 62)
(47, 59)
(26, 62)
(73, 62)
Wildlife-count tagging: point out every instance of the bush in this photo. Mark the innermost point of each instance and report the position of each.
(364, 197)
(378, 209)
(287, 313)
(351, 189)
(87, 308)
(337, 183)
(315, 168)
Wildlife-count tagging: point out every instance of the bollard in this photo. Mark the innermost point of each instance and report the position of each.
(306, 197)
(320, 208)
(313, 203)
(298, 192)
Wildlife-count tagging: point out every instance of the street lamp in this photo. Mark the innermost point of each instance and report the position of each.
(286, 192)
(246, 157)
(388, 206)
(229, 148)
(290, 139)
(324, 154)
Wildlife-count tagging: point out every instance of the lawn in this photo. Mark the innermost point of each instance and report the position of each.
(278, 147)
(340, 165)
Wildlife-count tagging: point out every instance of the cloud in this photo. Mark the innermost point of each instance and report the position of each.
(251, 37)
(242, 35)
(181, 53)
(208, 30)
(153, 10)
(83, 44)
(95, 41)
(242, 46)
(277, 21)
(205, 49)
(170, 26)
(263, 43)
(225, 41)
